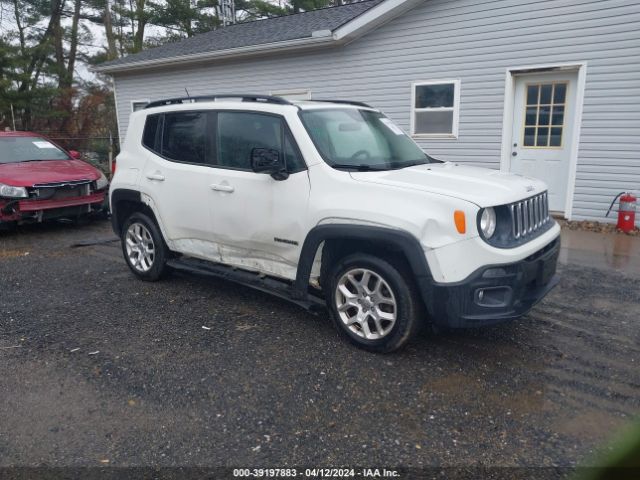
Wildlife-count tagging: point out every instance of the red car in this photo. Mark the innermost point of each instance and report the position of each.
(41, 181)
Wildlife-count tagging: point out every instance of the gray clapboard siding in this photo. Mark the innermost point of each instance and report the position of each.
(474, 41)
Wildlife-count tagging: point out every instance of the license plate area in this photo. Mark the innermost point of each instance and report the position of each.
(546, 269)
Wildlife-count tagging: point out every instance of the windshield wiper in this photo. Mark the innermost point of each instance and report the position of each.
(411, 164)
(359, 168)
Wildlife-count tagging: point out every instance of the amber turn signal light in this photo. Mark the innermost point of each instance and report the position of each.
(461, 223)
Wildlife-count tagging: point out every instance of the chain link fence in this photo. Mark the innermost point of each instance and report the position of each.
(99, 150)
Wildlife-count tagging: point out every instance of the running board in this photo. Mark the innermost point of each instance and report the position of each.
(272, 286)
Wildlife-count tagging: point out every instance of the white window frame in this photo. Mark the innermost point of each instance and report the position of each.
(302, 93)
(146, 101)
(455, 109)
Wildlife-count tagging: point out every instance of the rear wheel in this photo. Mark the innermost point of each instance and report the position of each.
(373, 303)
(143, 247)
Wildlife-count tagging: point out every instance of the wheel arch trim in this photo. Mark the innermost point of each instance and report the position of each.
(117, 196)
(404, 241)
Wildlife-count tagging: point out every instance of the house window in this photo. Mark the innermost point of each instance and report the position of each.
(434, 109)
(138, 105)
(294, 94)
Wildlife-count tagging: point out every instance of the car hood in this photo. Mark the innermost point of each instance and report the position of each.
(482, 186)
(27, 174)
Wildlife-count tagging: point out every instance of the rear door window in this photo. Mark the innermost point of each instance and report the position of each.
(185, 137)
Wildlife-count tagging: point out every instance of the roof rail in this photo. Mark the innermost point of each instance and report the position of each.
(346, 102)
(207, 98)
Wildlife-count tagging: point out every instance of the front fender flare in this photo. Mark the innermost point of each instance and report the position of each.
(399, 239)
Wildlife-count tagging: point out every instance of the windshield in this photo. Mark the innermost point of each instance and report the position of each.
(23, 149)
(361, 140)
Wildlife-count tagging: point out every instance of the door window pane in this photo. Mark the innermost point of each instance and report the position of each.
(559, 92)
(542, 138)
(239, 133)
(532, 116)
(556, 137)
(545, 93)
(558, 115)
(544, 115)
(529, 137)
(532, 94)
(184, 137)
(544, 108)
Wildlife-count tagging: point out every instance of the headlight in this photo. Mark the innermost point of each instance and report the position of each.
(12, 192)
(102, 182)
(488, 222)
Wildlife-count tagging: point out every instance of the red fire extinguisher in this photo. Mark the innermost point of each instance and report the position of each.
(626, 211)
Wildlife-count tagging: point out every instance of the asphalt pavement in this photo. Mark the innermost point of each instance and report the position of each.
(100, 369)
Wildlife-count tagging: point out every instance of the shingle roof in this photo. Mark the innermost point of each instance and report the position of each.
(277, 29)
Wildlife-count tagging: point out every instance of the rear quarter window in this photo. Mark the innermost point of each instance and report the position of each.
(152, 133)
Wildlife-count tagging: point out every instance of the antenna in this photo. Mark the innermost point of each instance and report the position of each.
(187, 92)
(227, 12)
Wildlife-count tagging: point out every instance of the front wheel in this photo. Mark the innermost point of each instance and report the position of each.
(373, 304)
(143, 247)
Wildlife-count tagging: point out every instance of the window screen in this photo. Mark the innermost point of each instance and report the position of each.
(184, 137)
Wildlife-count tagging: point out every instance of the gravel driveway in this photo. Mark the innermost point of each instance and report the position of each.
(98, 368)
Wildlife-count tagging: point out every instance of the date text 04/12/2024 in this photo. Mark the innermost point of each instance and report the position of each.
(315, 473)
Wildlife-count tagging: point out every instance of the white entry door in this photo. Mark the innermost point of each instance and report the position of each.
(544, 109)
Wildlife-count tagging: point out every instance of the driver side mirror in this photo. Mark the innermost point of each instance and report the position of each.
(74, 154)
(268, 160)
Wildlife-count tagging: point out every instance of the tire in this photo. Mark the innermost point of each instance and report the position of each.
(7, 226)
(382, 317)
(141, 232)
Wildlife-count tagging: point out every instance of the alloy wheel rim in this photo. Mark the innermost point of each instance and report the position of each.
(366, 304)
(141, 250)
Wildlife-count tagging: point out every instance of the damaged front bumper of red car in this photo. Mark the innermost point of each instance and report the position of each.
(47, 202)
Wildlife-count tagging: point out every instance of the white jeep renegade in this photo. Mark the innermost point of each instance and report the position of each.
(330, 202)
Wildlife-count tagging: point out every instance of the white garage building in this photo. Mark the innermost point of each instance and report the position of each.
(546, 88)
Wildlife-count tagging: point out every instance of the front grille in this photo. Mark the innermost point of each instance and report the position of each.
(61, 190)
(530, 215)
(69, 192)
(71, 183)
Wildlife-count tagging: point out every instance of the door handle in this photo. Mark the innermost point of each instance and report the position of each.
(221, 188)
(155, 176)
